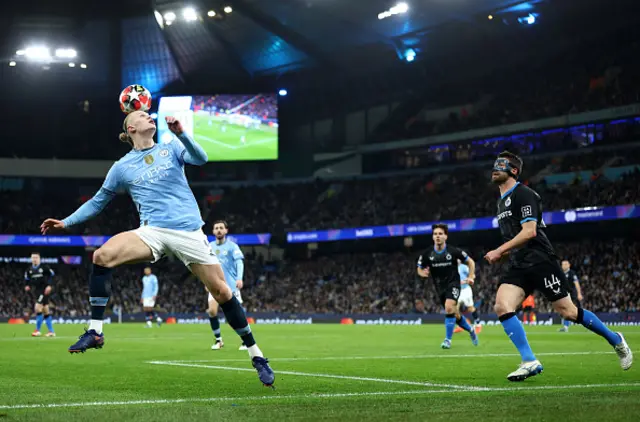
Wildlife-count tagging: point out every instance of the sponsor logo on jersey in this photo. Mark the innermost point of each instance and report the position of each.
(504, 214)
(442, 264)
(153, 174)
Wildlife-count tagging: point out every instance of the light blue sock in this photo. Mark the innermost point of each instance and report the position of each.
(39, 319)
(49, 321)
(566, 323)
(513, 328)
(449, 324)
(591, 322)
(464, 324)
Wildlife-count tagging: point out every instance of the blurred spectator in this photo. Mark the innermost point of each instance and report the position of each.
(346, 283)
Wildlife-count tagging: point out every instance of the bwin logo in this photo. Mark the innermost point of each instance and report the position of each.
(570, 216)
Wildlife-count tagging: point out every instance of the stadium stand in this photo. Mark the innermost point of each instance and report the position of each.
(340, 284)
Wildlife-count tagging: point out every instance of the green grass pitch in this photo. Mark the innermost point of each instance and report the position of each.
(226, 145)
(324, 372)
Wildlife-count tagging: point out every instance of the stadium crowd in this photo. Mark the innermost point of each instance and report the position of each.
(345, 283)
(263, 106)
(321, 204)
(578, 80)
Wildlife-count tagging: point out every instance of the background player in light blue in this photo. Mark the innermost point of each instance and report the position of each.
(466, 294)
(153, 175)
(149, 297)
(232, 261)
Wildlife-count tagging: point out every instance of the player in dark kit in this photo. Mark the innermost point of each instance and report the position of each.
(573, 287)
(533, 266)
(442, 264)
(38, 278)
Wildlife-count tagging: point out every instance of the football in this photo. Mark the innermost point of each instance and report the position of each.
(134, 98)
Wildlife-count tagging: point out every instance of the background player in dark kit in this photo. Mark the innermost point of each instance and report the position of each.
(39, 277)
(442, 264)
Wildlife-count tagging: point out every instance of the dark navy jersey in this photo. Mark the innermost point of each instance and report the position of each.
(443, 265)
(571, 278)
(39, 277)
(517, 206)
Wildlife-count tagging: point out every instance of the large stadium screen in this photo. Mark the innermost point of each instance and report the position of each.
(229, 127)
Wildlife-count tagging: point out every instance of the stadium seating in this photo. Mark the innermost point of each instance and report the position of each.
(346, 283)
(350, 203)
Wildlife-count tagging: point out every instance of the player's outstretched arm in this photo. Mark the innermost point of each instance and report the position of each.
(88, 210)
(194, 153)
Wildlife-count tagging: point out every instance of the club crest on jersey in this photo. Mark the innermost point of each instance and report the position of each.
(507, 202)
(448, 256)
(148, 159)
(164, 153)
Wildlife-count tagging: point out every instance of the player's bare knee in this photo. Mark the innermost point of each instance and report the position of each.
(567, 311)
(501, 308)
(451, 309)
(222, 294)
(104, 257)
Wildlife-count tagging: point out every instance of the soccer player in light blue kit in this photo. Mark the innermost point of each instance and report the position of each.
(232, 261)
(150, 289)
(170, 222)
(466, 294)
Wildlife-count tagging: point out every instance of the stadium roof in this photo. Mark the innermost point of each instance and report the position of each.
(272, 36)
(257, 37)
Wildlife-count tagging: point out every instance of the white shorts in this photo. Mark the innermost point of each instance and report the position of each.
(148, 302)
(236, 293)
(188, 247)
(466, 297)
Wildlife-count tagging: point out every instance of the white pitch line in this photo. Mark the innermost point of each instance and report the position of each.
(301, 396)
(444, 356)
(456, 387)
(234, 147)
(258, 142)
(218, 399)
(564, 387)
(315, 375)
(213, 141)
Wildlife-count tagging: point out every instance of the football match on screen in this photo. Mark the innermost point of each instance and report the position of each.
(312, 210)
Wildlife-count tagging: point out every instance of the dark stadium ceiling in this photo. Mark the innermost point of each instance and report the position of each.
(259, 37)
(266, 36)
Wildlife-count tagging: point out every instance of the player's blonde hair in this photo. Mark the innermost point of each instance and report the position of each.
(124, 136)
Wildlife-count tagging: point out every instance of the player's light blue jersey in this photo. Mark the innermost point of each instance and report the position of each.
(155, 180)
(463, 270)
(231, 259)
(149, 286)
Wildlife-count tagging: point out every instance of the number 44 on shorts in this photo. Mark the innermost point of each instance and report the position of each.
(554, 284)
